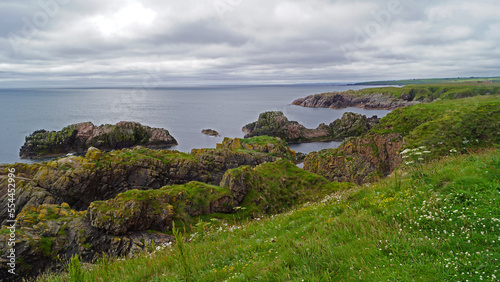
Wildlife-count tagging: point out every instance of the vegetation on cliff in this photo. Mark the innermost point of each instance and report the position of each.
(277, 124)
(437, 222)
(441, 126)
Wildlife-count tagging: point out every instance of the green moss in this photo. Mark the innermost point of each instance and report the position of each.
(45, 245)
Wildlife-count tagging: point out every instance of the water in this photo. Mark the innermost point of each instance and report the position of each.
(183, 111)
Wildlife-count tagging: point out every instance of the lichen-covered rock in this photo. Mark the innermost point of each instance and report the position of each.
(210, 132)
(357, 160)
(277, 125)
(341, 100)
(156, 209)
(77, 138)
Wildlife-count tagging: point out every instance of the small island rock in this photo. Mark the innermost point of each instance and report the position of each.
(77, 138)
(210, 132)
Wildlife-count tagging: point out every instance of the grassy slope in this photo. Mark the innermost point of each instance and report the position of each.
(428, 81)
(438, 222)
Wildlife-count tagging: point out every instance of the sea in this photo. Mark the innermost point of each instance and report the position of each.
(183, 111)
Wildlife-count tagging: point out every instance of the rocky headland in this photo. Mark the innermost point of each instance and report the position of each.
(277, 124)
(77, 138)
(341, 100)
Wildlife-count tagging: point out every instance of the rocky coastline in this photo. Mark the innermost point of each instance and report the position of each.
(77, 138)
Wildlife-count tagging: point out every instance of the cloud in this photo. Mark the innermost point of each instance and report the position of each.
(87, 43)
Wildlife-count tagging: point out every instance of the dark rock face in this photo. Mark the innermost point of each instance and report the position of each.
(277, 125)
(77, 138)
(49, 233)
(357, 160)
(341, 100)
(210, 132)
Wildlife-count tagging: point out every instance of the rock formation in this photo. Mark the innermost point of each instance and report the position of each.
(210, 132)
(77, 138)
(340, 100)
(277, 125)
(357, 160)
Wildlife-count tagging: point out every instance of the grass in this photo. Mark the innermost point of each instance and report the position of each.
(436, 222)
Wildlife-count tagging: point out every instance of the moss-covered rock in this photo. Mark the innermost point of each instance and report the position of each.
(277, 125)
(156, 209)
(77, 138)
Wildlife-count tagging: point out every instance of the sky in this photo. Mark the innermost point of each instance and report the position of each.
(153, 43)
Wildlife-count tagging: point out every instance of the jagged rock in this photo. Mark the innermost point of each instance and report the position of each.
(103, 175)
(210, 132)
(277, 125)
(77, 138)
(341, 100)
(357, 160)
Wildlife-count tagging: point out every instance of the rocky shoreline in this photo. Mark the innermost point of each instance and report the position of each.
(77, 138)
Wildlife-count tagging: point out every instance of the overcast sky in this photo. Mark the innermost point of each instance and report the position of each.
(183, 42)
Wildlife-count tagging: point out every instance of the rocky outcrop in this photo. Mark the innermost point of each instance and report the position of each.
(157, 209)
(358, 160)
(341, 100)
(210, 132)
(48, 235)
(102, 175)
(277, 125)
(77, 138)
